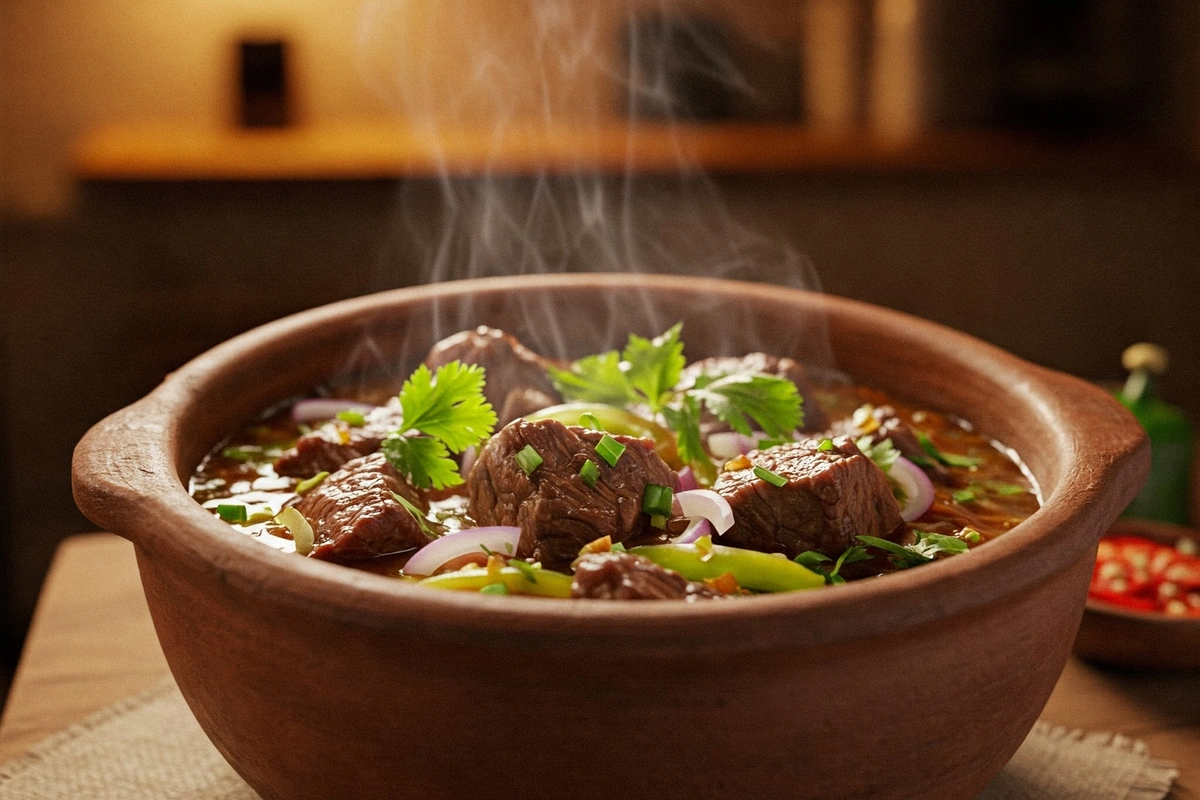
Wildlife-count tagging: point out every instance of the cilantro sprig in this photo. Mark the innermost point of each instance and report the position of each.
(926, 548)
(816, 562)
(442, 413)
(647, 373)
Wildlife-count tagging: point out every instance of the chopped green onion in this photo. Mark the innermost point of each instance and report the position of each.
(963, 496)
(1006, 489)
(773, 478)
(528, 459)
(354, 419)
(825, 445)
(657, 500)
(948, 459)
(242, 453)
(658, 521)
(609, 449)
(232, 512)
(589, 472)
(299, 527)
(494, 588)
(308, 484)
(261, 516)
(589, 420)
(971, 535)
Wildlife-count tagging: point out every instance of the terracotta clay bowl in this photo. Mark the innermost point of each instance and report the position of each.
(318, 681)
(1147, 640)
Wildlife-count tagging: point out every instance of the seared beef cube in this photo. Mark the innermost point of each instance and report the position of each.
(556, 509)
(814, 417)
(516, 379)
(354, 516)
(828, 498)
(891, 426)
(333, 444)
(624, 576)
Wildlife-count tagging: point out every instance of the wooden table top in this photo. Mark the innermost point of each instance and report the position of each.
(92, 643)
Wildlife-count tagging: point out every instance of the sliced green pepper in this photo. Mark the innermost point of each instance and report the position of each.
(761, 572)
(540, 582)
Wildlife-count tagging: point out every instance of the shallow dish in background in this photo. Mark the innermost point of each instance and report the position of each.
(318, 681)
(1122, 637)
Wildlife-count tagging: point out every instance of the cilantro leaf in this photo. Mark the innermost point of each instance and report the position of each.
(425, 460)
(448, 405)
(595, 379)
(771, 401)
(883, 453)
(683, 417)
(927, 546)
(653, 366)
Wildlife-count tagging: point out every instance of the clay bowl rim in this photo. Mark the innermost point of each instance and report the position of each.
(129, 477)
(1163, 533)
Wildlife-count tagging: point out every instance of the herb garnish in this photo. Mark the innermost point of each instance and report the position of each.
(528, 459)
(354, 419)
(609, 449)
(647, 372)
(589, 472)
(232, 512)
(946, 459)
(442, 413)
(418, 515)
(814, 561)
(927, 546)
(773, 478)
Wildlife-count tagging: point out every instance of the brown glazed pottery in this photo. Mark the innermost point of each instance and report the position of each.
(1140, 639)
(318, 681)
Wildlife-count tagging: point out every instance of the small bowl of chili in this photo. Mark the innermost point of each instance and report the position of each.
(1143, 606)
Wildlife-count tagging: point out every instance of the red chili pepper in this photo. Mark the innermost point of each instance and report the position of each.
(1143, 575)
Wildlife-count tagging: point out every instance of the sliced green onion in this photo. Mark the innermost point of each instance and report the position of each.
(609, 449)
(242, 453)
(494, 588)
(308, 484)
(658, 521)
(354, 419)
(825, 445)
(299, 527)
(657, 500)
(773, 478)
(232, 512)
(589, 420)
(589, 472)
(1006, 489)
(963, 496)
(528, 459)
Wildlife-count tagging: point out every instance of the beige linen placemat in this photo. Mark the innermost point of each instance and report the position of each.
(150, 747)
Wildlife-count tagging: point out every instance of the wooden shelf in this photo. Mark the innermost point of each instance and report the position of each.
(383, 151)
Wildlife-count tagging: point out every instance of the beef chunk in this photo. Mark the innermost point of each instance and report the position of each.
(814, 417)
(829, 498)
(904, 439)
(516, 380)
(624, 576)
(334, 443)
(557, 511)
(354, 515)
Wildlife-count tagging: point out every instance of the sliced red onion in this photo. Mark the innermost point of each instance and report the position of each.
(707, 504)
(497, 538)
(315, 409)
(687, 480)
(695, 529)
(918, 489)
(730, 444)
(468, 460)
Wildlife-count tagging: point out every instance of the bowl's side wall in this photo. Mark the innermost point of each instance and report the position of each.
(306, 708)
(312, 679)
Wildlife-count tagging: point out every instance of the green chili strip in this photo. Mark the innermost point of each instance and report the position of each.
(308, 484)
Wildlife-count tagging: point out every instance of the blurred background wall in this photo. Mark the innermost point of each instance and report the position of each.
(1020, 170)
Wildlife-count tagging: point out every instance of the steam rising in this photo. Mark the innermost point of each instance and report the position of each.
(491, 77)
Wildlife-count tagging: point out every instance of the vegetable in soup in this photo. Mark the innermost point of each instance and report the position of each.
(629, 474)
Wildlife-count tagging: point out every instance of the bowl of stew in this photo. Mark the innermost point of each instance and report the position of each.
(869, 591)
